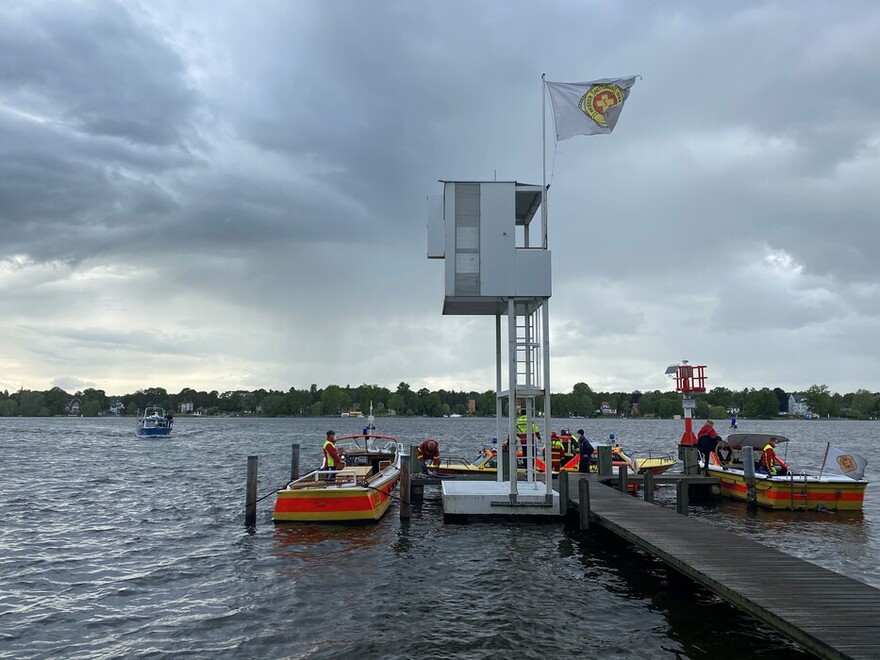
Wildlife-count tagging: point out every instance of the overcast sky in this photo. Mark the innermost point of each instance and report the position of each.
(231, 195)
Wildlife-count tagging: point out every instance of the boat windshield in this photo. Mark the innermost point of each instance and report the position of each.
(485, 459)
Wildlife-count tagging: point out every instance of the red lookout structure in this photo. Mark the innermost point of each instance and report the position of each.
(689, 379)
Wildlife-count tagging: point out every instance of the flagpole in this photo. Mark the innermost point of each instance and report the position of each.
(543, 163)
(824, 458)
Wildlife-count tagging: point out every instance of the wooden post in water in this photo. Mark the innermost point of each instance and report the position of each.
(294, 462)
(250, 502)
(605, 467)
(414, 467)
(681, 497)
(584, 501)
(623, 478)
(748, 461)
(649, 487)
(563, 492)
(404, 486)
(690, 456)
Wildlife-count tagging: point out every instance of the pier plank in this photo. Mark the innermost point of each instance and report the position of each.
(829, 614)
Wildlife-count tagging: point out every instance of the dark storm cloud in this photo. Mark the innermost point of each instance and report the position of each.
(96, 68)
(95, 107)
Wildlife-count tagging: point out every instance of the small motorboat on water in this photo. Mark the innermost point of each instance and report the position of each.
(792, 489)
(359, 492)
(154, 423)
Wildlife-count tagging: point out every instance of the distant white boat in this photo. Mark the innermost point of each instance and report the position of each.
(154, 423)
(455, 415)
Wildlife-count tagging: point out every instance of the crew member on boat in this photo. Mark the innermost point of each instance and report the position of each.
(707, 439)
(568, 442)
(585, 449)
(429, 450)
(771, 462)
(557, 452)
(522, 427)
(332, 461)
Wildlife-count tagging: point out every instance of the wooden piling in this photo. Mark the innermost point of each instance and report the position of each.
(605, 467)
(649, 487)
(622, 478)
(404, 486)
(294, 462)
(584, 502)
(748, 463)
(681, 497)
(563, 492)
(250, 503)
(690, 456)
(414, 465)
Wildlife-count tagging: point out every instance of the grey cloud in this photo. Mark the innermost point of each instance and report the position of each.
(98, 68)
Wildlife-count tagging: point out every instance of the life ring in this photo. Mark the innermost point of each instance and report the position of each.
(724, 452)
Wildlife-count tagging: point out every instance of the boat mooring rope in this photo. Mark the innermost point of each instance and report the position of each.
(260, 499)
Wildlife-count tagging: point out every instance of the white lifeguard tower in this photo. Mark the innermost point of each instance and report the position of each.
(497, 265)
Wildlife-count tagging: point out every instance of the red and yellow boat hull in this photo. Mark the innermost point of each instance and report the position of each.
(335, 503)
(795, 494)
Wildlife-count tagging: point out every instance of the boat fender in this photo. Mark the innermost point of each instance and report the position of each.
(724, 453)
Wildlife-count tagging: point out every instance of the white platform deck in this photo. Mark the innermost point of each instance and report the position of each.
(490, 498)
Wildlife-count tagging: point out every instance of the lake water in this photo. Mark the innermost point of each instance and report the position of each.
(113, 546)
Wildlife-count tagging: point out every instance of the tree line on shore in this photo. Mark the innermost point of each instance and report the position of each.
(335, 400)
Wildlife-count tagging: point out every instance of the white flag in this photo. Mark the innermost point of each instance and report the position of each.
(846, 462)
(588, 108)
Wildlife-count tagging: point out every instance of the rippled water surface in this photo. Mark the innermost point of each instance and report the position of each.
(116, 546)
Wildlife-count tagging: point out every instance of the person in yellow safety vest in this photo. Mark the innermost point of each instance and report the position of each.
(771, 462)
(332, 460)
(557, 452)
(568, 442)
(521, 426)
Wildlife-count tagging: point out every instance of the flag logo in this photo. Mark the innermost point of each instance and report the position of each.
(847, 463)
(598, 100)
(588, 108)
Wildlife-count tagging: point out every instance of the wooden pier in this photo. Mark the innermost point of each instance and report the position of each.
(827, 613)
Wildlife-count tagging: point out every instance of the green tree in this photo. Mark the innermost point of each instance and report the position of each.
(335, 400)
(275, 404)
(703, 409)
(667, 407)
(761, 403)
(864, 404)
(8, 408)
(396, 403)
(56, 400)
(648, 404)
(433, 406)
(720, 396)
(818, 400)
(32, 404)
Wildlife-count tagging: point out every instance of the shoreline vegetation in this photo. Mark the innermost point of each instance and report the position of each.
(817, 401)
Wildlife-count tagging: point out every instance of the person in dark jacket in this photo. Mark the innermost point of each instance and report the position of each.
(707, 439)
(585, 450)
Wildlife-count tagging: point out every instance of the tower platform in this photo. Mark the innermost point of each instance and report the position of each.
(490, 498)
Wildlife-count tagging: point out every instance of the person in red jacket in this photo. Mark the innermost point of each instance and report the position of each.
(429, 450)
(707, 439)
